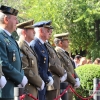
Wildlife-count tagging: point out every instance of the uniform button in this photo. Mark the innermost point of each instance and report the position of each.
(44, 58)
(29, 84)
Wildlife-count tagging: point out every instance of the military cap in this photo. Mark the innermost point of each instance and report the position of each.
(26, 24)
(46, 24)
(62, 36)
(8, 10)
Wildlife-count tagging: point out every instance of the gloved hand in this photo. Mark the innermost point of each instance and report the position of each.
(20, 86)
(24, 82)
(77, 84)
(51, 81)
(42, 86)
(63, 78)
(3, 81)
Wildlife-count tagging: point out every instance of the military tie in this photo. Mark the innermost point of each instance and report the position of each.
(46, 47)
(70, 59)
(34, 52)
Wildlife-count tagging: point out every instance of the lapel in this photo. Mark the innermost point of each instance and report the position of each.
(49, 45)
(26, 45)
(41, 45)
(29, 48)
(60, 50)
(65, 54)
(8, 37)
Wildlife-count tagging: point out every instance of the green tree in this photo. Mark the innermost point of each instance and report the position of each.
(79, 17)
(82, 20)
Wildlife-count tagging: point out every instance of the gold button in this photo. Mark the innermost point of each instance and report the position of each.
(44, 58)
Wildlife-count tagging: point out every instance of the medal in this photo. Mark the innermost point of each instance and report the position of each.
(14, 56)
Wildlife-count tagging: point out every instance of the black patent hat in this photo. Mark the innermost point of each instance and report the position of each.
(8, 10)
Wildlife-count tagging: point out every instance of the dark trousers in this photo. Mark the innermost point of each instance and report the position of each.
(5, 99)
(52, 94)
(42, 94)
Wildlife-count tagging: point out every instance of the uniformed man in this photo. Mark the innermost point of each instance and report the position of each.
(42, 34)
(10, 53)
(58, 72)
(26, 33)
(61, 41)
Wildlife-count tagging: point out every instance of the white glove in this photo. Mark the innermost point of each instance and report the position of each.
(3, 81)
(77, 84)
(51, 81)
(20, 86)
(63, 78)
(42, 86)
(24, 82)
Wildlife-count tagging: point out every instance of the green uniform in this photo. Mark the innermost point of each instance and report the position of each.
(11, 65)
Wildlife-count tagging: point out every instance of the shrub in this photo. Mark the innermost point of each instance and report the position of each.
(86, 74)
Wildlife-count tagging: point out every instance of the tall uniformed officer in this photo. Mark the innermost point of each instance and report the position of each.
(58, 72)
(10, 53)
(26, 33)
(61, 42)
(42, 34)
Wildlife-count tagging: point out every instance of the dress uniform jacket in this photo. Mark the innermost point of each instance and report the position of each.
(29, 62)
(11, 65)
(1, 73)
(67, 64)
(55, 67)
(43, 62)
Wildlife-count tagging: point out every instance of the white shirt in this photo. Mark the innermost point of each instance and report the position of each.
(41, 40)
(27, 43)
(6, 31)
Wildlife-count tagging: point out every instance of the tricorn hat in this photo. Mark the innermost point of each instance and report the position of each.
(8, 10)
(26, 24)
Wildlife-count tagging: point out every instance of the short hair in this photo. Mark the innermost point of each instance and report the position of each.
(78, 57)
(2, 15)
(19, 31)
(56, 41)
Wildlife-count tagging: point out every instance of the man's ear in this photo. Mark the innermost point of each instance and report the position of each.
(60, 42)
(41, 30)
(6, 19)
(23, 32)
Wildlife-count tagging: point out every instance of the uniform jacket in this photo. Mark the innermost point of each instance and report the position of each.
(11, 65)
(43, 62)
(29, 62)
(1, 73)
(55, 67)
(67, 64)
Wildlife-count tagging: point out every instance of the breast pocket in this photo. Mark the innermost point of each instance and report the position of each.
(32, 60)
(12, 54)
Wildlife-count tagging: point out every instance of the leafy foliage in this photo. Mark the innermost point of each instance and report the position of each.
(79, 17)
(86, 74)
